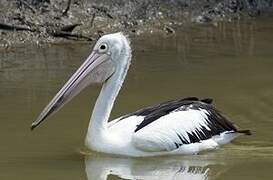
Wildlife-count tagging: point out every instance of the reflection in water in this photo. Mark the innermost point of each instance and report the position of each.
(101, 167)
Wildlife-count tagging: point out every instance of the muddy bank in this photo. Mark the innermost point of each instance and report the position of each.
(43, 21)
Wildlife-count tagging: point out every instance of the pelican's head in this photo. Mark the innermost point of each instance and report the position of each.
(111, 53)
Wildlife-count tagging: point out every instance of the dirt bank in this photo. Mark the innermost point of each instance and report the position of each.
(43, 21)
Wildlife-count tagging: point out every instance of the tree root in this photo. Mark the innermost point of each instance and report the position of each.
(14, 28)
(64, 32)
(69, 35)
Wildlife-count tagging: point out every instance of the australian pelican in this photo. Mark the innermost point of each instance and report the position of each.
(184, 126)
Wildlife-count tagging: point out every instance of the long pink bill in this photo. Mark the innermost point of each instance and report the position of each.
(79, 80)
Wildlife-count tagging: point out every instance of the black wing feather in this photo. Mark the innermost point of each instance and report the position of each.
(216, 122)
(151, 114)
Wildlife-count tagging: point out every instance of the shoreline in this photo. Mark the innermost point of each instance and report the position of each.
(58, 21)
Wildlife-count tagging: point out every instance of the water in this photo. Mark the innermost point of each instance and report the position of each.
(231, 62)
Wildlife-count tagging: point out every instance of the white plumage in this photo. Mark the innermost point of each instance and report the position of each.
(184, 126)
(162, 134)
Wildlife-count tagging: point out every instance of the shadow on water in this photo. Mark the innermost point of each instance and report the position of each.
(230, 62)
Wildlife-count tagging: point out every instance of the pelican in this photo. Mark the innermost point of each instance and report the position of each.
(184, 126)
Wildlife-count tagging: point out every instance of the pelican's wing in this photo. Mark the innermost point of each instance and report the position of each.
(170, 125)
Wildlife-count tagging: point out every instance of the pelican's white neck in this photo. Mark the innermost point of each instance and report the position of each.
(97, 130)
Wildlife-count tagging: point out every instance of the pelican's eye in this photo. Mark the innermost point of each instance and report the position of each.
(103, 48)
